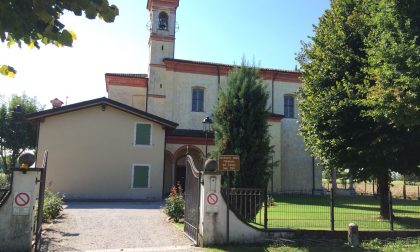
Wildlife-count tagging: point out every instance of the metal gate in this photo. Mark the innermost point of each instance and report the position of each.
(38, 224)
(192, 200)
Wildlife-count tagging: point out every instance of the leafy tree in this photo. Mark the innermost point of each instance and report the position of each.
(393, 48)
(240, 125)
(16, 133)
(35, 22)
(342, 118)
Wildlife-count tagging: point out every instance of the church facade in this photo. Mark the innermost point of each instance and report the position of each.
(132, 144)
(185, 92)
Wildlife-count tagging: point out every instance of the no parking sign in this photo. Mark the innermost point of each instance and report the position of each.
(212, 201)
(21, 203)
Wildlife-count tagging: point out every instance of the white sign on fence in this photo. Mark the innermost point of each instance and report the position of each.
(21, 203)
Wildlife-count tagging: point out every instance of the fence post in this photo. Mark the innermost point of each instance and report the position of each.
(418, 192)
(227, 207)
(391, 214)
(332, 208)
(265, 209)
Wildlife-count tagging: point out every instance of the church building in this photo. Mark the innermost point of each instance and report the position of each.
(171, 101)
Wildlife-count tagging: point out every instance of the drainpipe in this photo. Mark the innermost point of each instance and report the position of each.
(218, 81)
(147, 93)
(272, 112)
(272, 92)
(37, 140)
(164, 163)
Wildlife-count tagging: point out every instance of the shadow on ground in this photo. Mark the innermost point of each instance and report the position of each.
(113, 205)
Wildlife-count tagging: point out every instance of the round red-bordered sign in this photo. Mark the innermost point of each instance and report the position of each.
(22, 199)
(212, 199)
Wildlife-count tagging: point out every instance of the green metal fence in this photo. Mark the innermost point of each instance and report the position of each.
(295, 210)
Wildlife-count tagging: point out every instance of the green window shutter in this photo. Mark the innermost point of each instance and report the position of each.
(141, 176)
(143, 134)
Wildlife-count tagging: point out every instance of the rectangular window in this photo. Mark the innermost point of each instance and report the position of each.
(143, 134)
(289, 106)
(198, 100)
(140, 176)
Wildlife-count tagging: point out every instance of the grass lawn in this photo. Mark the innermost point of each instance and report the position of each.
(412, 245)
(179, 225)
(313, 212)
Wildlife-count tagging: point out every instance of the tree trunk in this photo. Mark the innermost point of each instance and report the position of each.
(383, 190)
(351, 184)
(404, 189)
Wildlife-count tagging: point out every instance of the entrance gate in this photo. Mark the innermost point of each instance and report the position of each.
(192, 200)
(38, 226)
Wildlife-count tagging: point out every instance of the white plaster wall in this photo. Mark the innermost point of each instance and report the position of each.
(275, 182)
(159, 54)
(91, 154)
(132, 96)
(281, 89)
(177, 87)
(213, 224)
(296, 162)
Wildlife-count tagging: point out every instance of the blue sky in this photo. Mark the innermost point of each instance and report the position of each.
(267, 32)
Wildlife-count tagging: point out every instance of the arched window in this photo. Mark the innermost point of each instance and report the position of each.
(163, 21)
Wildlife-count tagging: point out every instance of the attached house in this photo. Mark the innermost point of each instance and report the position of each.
(103, 149)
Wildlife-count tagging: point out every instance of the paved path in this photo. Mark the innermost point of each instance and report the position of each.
(114, 226)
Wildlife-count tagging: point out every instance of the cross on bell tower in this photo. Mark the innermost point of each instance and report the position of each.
(162, 29)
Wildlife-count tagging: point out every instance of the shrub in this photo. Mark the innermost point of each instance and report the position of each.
(4, 180)
(175, 203)
(53, 205)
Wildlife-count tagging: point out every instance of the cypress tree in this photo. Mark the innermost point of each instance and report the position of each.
(241, 126)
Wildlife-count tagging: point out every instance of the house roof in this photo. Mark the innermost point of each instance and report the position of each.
(126, 79)
(199, 67)
(208, 68)
(226, 65)
(102, 101)
(131, 75)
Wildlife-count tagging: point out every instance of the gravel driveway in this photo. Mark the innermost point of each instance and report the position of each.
(114, 226)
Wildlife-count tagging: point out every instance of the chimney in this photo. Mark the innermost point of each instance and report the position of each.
(56, 103)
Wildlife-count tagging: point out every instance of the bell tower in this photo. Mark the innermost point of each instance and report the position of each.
(162, 30)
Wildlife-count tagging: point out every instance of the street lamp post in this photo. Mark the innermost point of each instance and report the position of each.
(206, 127)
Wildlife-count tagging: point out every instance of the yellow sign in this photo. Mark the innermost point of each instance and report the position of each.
(229, 163)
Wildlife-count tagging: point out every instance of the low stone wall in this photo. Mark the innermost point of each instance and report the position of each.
(213, 228)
